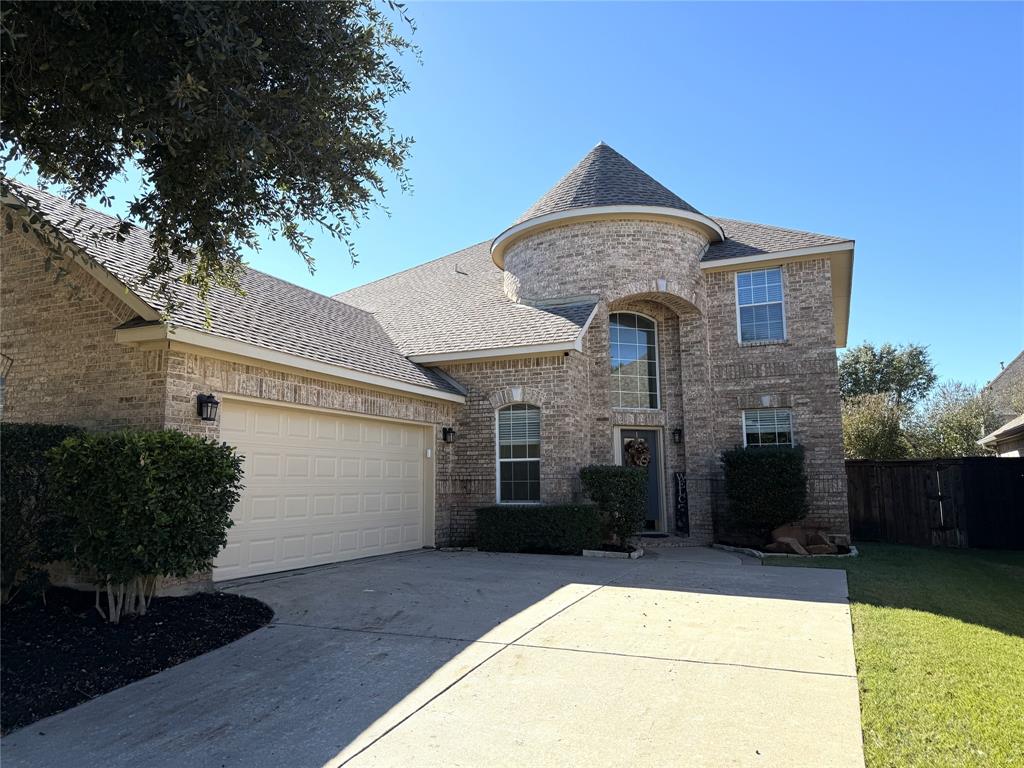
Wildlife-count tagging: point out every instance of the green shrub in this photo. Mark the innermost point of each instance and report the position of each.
(764, 488)
(26, 516)
(621, 494)
(562, 529)
(139, 506)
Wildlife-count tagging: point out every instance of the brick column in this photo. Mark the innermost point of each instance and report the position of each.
(698, 424)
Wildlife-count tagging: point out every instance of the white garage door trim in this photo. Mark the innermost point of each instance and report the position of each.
(324, 486)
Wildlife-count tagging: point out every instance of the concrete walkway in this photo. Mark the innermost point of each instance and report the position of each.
(472, 659)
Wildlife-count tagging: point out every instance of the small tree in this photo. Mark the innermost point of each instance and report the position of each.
(873, 428)
(951, 421)
(905, 374)
(141, 506)
(764, 488)
(621, 494)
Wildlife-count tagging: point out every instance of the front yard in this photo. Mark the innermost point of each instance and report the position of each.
(939, 639)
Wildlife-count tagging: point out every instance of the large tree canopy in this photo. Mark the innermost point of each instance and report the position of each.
(905, 374)
(241, 115)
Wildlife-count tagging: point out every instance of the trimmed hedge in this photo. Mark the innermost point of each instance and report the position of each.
(139, 506)
(764, 488)
(561, 529)
(26, 516)
(621, 493)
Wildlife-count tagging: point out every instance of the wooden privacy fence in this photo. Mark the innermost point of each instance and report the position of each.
(969, 502)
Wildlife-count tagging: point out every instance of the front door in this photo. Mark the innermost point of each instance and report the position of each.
(639, 448)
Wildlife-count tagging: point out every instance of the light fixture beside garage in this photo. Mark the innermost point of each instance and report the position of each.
(677, 436)
(206, 407)
(448, 434)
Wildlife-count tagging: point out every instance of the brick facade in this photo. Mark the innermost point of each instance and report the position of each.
(707, 377)
(68, 368)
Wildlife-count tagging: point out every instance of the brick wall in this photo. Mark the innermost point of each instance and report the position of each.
(66, 367)
(615, 258)
(557, 384)
(800, 373)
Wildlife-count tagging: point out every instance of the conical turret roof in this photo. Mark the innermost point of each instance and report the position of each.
(604, 177)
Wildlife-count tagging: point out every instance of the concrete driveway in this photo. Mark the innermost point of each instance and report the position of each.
(685, 657)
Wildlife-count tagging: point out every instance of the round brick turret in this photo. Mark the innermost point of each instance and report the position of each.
(607, 229)
(612, 258)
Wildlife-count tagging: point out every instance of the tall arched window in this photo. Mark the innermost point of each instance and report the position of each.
(519, 453)
(633, 340)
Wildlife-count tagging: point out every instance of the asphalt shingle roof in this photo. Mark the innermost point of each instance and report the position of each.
(604, 177)
(744, 238)
(273, 314)
(457, 303)
(453, 304)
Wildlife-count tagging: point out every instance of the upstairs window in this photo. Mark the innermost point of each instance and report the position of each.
(768, 428)
(759, 305)
(633, 343)
(519, 453)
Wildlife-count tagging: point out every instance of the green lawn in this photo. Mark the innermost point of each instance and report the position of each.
(939, 638)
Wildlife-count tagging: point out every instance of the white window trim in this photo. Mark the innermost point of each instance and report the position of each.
(498, 459)
(657, 361)
(792, 424)
(736, 292)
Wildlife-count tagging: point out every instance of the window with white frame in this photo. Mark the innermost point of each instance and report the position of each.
(759, 305)
(633, 345)
(767, 427)
(519, 453)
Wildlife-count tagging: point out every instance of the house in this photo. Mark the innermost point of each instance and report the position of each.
(1008, 440)
(1006, 393)
(1006, 390)
(612, 322)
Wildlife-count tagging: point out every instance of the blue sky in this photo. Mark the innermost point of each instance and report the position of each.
(898, 125)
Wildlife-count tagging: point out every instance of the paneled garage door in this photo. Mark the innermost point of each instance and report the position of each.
(321, 488)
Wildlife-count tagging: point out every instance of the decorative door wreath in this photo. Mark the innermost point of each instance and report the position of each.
(637, 452)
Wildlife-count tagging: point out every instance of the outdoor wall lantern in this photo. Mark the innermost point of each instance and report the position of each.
(448, 434)
(677, 436)
(206, 407)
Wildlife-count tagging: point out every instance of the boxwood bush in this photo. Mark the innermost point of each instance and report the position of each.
(562, 529)
(764, 488)
(26, 516)
(140, 506)
(621, 494)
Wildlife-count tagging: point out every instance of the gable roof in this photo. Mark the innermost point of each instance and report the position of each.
(458, 304)
(273, 314)
(602, 178)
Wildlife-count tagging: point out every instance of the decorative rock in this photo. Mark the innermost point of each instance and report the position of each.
(790, 545)
(815, 538)
(790, 531)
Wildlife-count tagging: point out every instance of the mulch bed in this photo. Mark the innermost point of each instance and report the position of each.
(60, 654)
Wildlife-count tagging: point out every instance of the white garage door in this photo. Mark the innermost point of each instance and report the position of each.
(321, 488)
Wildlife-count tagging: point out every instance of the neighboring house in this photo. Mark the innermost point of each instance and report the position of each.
(1006, 390)
(1008, 440)
(612, 322)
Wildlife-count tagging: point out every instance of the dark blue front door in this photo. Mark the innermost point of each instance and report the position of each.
(639, 448)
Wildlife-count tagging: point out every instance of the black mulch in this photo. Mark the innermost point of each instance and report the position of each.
(57, 655)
